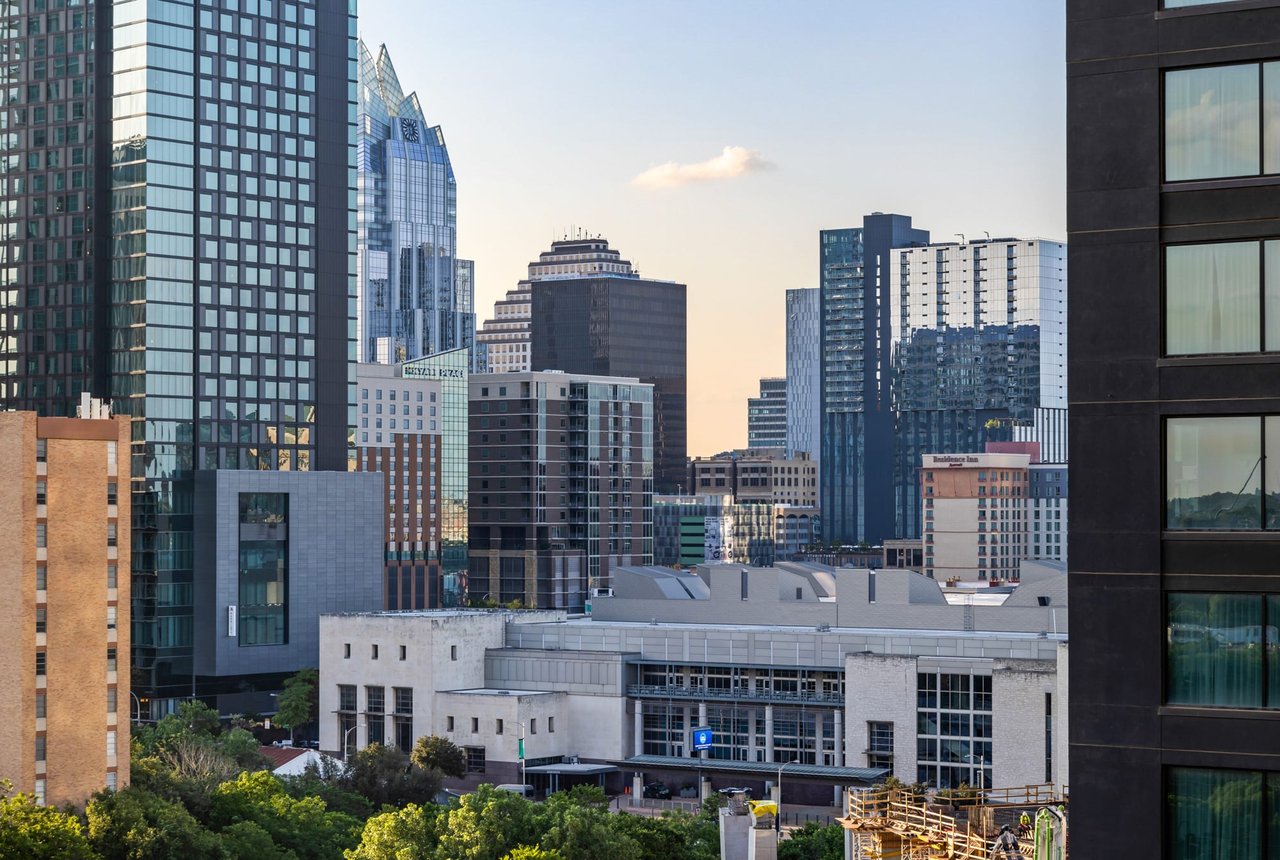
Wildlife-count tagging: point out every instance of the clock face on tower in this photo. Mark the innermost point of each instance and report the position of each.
(409, 130)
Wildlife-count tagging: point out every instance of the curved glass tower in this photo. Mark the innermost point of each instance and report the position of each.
(415, 296)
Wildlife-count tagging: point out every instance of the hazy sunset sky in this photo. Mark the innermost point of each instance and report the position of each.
(711, 141)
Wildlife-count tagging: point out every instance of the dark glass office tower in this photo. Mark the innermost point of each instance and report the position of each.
(181, 240)
(1173, 166)
(857, 417)
(54, 221)
(592, 313)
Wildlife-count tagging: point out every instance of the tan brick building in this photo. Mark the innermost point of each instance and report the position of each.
(64, 619)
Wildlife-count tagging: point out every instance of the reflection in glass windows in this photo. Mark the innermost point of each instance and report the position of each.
(953, 728)
(1221, 650)
(1216, 814)
(1212, 122)
(264, 566)
(1214, 473)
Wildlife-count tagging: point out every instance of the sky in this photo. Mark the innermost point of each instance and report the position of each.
(710, 140)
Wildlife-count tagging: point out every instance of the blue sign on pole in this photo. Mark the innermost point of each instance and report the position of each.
(702, 739)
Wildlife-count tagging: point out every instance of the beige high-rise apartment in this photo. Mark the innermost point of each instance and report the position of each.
(64, 619)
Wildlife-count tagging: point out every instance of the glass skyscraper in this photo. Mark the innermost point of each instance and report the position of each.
(179, 237)
(415, 296)
(856, 461)
(804, 372)
(979, 350)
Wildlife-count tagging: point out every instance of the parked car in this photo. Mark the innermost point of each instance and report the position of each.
(658, 791)
(516, 788)
(735, 790)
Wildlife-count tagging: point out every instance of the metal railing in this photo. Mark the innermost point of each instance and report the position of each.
(743, 694)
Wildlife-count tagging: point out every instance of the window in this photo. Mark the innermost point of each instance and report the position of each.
(111, 618)
(42, 493)
(42, 578)
(373, 652)
(41, 749)
(498, 729)
(1220, 813)
(1219, 121)
(1215, 653)
(1216, 297)
(346, 697)
(346, 651)
(41, 704)
(41, 663)
(880, 745)
(375, 699)
(404, 699)
(112, 576)
(111, 743)
(112, 534)
(448, 724)
(42, 534)
(453, 652)
(113, 495)
(533, 727)
(41, 619)
(111, 659)
(551, 724)
(475, 759)
(1215, 474)
(475, 725)
(111, 700)
(42, 450)
(404, 652)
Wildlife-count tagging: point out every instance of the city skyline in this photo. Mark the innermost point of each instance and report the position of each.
(744, 155)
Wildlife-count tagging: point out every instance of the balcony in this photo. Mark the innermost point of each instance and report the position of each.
(733, 694)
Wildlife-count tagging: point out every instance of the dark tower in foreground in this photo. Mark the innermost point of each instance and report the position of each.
(1174, 397)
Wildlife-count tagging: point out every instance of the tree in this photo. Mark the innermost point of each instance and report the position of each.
(36, 832)
(402, 834)
(585, 833)
(432, 752)
(486, 825)
(533, 852)
(298, 705)
(133, 824)
(813, 842)
(245, 839)
(305, 827)
(385, 775)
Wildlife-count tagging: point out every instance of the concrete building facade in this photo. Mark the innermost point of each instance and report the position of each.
(757, 475)
(65, 693)
(271, 557)
(668, 652)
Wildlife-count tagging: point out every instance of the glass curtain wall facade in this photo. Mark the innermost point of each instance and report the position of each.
(804, 372)
(979, 345)
(415, 296)
(54, 73)
(767, 415)
(232, 261)
(856, 480)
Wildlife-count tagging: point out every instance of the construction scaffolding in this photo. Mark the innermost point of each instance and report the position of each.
(899, 824)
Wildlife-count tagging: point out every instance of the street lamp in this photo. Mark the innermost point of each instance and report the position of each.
(777, 819)
(345, 740)
(137, 702)
(524, 758)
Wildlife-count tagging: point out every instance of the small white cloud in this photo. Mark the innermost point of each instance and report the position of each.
(732, 162)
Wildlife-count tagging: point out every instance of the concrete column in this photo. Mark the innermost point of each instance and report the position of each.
(637, 787)
(687, 711)
(704, 788)
(702, 721)
(639, 729)
(839, 738)
(751, 735)
(819, 725)
(768, 732)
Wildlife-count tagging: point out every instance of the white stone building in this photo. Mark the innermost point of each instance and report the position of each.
(824, 671)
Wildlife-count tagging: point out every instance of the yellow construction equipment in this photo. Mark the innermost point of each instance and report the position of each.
(897, 824)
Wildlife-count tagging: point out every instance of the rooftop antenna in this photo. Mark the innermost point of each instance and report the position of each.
(962, 239)
(987, 233)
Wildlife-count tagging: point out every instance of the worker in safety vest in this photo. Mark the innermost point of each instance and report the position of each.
(1006, 847)
(1024, 824)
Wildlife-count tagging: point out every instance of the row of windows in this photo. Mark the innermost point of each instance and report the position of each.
(499, 725)
(375, 699)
